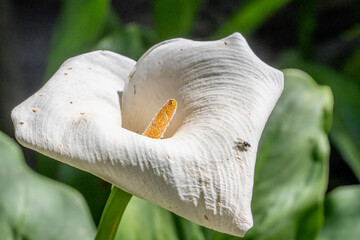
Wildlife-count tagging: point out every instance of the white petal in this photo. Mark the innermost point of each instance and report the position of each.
(86, 90)
(224, 92)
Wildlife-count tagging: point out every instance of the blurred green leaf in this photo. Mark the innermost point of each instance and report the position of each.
(346, 128)
(95, 190)
(35, 207)
(292, 164)
(112, 22)
(142, 218)
(342, 214)
(352, 67)
(174, 18)
(306, 24)
(249, 17)
(5, 228)
(187, 230)
(352, 33)
(131, 41)
(78, 27)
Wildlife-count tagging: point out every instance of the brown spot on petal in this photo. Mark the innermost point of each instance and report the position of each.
(60, 145)
(33, 110)
(206, 217)
(238, 158)
(69, 68)
(47, 140)
(131, 75)
(162, 171)
(65, 74)
(21, 123)
(82, 113)
(71, 102)
(181, 49)
(168, 156)
(225, 43)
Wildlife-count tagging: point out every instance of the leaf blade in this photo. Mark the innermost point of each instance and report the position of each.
(79, 25)
(36, 207)
(342, 210)
(291, 169)
(249, 17)
(174, 18)
(345, 129)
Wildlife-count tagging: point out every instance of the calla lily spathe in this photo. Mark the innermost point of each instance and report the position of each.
(198, 171)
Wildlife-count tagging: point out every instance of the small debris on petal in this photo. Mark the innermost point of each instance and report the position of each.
(242, 144)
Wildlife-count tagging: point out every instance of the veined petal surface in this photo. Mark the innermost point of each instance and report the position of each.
(224, 93)
(199, 171)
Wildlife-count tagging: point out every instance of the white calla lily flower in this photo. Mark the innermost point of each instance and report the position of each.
(203, 168)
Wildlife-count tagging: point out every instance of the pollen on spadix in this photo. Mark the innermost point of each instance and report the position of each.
(161, 121)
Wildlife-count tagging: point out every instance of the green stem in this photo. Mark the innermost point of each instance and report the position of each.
(111, 216)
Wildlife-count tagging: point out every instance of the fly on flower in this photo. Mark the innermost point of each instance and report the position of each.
(242, 144)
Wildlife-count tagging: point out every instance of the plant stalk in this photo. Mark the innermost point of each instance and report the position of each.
(111, 216)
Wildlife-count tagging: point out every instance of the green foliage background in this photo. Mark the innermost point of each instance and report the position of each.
(291, 177)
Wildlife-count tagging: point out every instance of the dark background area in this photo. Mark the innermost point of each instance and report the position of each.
(27, 28)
